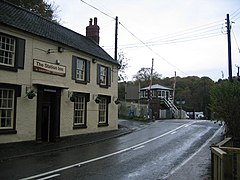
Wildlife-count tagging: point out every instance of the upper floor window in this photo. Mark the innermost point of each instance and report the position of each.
(103, 76)
(12, 52)
(80, 70)
(7, 50)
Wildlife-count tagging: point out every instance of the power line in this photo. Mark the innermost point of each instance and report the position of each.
(236, 41)
(151, 49)
(172, 41)
(97, 9)
(235, 13)
(204, 33)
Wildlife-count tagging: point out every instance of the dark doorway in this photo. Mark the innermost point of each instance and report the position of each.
(46, 118)
(48, 114)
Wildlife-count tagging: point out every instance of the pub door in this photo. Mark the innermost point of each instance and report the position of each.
(48, 114)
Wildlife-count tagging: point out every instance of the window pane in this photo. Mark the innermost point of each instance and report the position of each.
(103, 75)
(7, 50)
(6, 108)
(102, 110)
(79, 110)
(80, 70)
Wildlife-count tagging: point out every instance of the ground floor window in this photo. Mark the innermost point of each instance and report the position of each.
(8, 101)
(103, 110)
(6, 108)
(80, 110)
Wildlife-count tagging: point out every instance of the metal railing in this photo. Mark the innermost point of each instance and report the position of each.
(171, 106)
(225, 161)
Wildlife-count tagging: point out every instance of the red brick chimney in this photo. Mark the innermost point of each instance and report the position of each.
(92, 31)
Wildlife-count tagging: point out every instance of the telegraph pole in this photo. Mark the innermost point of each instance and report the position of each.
(149, 91)
(151, 75)
(229, 49)
(174, 85)
(116, 39)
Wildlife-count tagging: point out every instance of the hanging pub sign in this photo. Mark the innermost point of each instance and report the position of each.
(49, 68)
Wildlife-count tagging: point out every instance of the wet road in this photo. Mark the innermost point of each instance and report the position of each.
(156, 151)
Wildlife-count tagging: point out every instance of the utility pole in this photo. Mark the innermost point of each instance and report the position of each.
(229, 49)
(116, 39)
(149, 91)
(174, 85)
(151, 74)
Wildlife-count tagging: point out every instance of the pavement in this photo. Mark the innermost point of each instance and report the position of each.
(16, 150)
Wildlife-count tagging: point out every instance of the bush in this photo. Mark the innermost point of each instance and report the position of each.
(225, 104)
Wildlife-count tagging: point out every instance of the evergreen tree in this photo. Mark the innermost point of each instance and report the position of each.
(39, 7)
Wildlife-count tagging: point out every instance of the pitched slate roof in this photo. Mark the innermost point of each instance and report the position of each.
(158, 86)
(27, 21)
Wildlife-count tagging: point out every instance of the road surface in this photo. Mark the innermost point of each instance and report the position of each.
(158, 151)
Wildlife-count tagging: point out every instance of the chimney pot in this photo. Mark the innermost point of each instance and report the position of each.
(90, 22)
(95, 21)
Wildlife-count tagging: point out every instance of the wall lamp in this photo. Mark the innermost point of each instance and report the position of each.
(94, 60)
(30, 93)
(116, 100)
(71, 96)
(97, 99)
(60, 49)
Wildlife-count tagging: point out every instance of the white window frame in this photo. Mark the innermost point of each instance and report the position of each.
(80, 69)
(103, 111)
(7, 97)
(103, 75)
(79, 110)
(7, 50)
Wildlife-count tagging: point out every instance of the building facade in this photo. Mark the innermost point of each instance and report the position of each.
(53, 82)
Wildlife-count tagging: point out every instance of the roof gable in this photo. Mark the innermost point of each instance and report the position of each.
(27, 21)
(158, 86)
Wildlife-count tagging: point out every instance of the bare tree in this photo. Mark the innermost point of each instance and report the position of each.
(144, 74)
(123, 62)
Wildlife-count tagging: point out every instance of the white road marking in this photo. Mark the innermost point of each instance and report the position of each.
(174, 132)
(49, 177)
(140, 147)
(105, 156)
(194, 154)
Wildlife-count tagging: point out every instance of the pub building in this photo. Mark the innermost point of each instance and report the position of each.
(54, 82)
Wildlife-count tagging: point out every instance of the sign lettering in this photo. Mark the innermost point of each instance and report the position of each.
(49, 68)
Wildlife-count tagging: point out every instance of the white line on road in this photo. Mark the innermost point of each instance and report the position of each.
(194, 154)
(107, 155)
(174, 132)
(49, 177)
(140, 147)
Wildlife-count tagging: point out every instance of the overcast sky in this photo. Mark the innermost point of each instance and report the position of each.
(186, 36)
